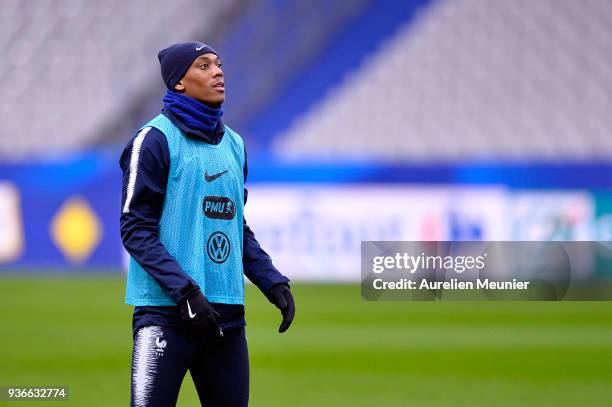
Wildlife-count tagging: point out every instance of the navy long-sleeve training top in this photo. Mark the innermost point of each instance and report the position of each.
(140, 233)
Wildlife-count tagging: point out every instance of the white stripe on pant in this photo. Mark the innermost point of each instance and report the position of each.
(144, 363)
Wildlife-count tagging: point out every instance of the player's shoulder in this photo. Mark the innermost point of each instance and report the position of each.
(231, 132)
(146, 141)
(234, 136)
(148, 137)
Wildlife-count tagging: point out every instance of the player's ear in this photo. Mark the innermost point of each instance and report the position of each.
(179, 87)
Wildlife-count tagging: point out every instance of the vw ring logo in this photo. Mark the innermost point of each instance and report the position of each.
(218, 247)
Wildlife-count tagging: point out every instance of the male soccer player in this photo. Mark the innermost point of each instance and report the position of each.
(182, 224)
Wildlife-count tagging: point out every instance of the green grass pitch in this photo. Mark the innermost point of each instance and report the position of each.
(341, 350)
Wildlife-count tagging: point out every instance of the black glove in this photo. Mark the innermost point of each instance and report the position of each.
(196, 309)
(281, 296)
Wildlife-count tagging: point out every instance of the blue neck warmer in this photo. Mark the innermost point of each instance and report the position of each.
(194, 116)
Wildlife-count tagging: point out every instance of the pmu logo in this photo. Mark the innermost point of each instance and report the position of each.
(219, 207)
(218, 247)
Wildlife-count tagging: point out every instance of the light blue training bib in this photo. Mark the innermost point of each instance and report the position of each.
(201, 224)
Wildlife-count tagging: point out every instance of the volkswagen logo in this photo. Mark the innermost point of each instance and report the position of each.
(218, 247)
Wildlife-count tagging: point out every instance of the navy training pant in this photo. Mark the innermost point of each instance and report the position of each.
(162, 355)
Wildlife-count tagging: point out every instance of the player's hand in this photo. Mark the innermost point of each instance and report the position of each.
(280, 295)
(196, 310)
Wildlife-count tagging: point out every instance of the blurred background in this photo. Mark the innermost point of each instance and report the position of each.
(363, 120)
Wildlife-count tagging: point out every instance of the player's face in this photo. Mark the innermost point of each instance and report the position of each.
(204, 80)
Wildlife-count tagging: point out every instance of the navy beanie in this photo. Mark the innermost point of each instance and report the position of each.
(177, 58)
